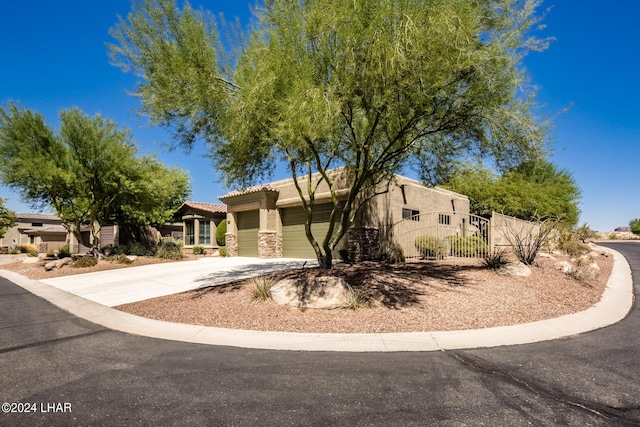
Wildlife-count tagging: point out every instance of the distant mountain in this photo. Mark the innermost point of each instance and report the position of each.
(623, 229)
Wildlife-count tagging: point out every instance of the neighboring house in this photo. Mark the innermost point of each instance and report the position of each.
(45, 231)
(268, 221)
(199, 222)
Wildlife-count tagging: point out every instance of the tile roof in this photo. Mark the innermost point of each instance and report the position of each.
(58, 229)
(249, 190)
(38, 216)
(207, 207)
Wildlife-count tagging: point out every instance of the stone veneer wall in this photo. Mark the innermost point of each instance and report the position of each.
(269, 244)
(363, 244)
(232, 244)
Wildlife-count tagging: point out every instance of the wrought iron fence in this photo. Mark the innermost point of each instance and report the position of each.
(439, 235)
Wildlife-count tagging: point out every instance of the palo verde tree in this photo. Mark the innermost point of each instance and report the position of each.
(634, 224)
(88, 172)
(369, 85)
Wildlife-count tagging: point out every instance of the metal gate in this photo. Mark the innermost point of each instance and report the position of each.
(439, 235)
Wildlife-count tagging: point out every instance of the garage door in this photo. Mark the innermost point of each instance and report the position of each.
(294, 240)
(248, 226)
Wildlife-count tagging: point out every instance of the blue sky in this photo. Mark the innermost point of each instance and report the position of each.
(53, 57)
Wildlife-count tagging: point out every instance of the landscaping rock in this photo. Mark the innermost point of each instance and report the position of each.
(564, 266)
(515, 269)
(31, 260)
(319, 292)
(132, 258)
(58, 263)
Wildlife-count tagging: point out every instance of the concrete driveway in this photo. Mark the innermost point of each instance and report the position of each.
(122, 286)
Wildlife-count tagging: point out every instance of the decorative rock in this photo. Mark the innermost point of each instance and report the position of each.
(58, 263)
(564, 266)
(515, 269)
(319, 292)
(132, 258)
(31, 260)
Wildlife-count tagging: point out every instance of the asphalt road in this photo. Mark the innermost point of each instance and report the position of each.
(67, 371)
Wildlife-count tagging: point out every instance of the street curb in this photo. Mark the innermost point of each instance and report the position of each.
(616, 302)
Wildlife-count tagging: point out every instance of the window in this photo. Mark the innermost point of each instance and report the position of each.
(444, 219)
(411, 214)
(36, 224)
(189, 233)
(205, 233)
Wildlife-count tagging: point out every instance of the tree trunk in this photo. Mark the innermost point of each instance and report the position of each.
(326, 260)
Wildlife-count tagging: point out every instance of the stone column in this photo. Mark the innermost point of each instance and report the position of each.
(232, 244)
(268, 246)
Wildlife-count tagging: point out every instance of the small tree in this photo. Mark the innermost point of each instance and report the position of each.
(88, 173)
(7, 218)
(635, 226)
(584, 233)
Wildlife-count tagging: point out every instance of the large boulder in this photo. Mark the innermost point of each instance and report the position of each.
(316, 292)
(515, 269)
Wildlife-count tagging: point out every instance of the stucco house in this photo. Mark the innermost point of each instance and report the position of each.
(267, 221)
(199, 222)
(45, 231)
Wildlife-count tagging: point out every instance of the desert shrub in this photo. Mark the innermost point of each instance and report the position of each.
(84, 262)
(199, 250)
(119, 259)
(64, 252)
(134, 248)
(431, 247)
(51, 253)
(170, 248)
(575, 248)
(355, 298)
(393, 255)
(221, 231)
(13, 250)
(613, 236)
(469, 246)
(496, 260)
(261, 288)
(527, 239)
(583, 271)
(222, 251)
(30, 250)
(584, 233)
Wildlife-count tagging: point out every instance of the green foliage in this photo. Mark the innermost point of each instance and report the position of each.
(64, 251)
(613, 236)
(575, 248)
(496, 260)
(469, 246)
(134, 248)
(170, 248)
(199, 250)
(119, 259)
(635, 226)
(7, 218)
(88, 172)
(85, 262)
(370, 85)
(51, 253)
(221, 231)
(531, 190)
(14, 250)
(30, 250)
(584, 233)
(261, 288)
(393, 254)
(431, 247)
(222, 251)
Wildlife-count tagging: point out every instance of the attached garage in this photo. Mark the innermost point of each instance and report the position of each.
(294, 240)
(248, 226)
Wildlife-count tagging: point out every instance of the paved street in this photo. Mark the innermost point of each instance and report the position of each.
(73, 372)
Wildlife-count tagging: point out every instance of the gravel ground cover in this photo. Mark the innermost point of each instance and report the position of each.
(412, 297)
